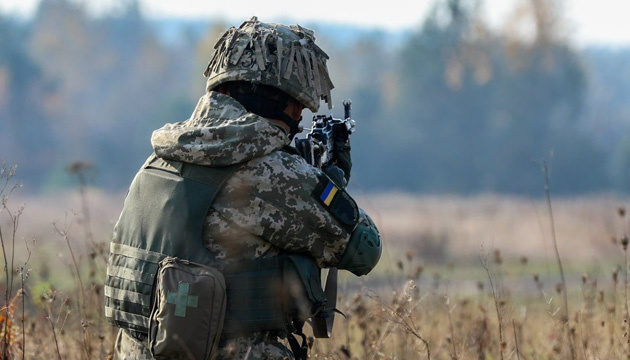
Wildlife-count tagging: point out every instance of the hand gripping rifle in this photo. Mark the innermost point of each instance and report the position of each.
(318, 149)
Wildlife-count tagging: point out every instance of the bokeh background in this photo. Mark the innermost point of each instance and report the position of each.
(493, 141)
(466, 110)
(451, 96)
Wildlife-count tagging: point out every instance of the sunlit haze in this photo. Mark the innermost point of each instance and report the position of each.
(587, 21)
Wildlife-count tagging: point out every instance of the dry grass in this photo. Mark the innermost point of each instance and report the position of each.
(460, 278)
(517, 226)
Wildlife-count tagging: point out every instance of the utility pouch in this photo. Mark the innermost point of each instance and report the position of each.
(188, 310)
(304, 287)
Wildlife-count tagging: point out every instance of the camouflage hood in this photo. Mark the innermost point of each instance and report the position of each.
(220, 132)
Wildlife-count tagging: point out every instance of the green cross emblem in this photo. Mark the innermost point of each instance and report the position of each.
(181, 299)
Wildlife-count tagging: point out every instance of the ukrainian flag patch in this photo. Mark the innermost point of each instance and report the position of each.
(329, 193)
(337, 201)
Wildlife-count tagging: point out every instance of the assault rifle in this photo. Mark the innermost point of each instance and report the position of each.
(318, 149)
(318, 146)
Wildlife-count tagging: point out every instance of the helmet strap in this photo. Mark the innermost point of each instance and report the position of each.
(294, 125)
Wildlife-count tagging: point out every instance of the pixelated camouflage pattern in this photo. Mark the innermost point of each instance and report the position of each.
(265, 208)
(269, 216)
(128, 348)
(282, 56)
(220, 132)
(257, 346)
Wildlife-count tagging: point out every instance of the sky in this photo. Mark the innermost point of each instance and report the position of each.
(588, 21)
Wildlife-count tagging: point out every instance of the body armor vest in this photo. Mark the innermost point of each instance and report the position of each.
(163, 215)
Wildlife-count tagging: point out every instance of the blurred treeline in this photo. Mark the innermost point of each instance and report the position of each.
(454, 106)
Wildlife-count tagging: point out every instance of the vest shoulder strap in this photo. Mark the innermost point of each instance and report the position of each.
(212, 176)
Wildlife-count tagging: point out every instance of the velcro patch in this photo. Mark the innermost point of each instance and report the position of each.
(337, 201)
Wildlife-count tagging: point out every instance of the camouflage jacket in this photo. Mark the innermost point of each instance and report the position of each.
(267, 206)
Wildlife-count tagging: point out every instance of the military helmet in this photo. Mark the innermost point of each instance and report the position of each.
(285, 57)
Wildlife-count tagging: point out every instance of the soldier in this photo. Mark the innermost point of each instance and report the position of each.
(225, 189)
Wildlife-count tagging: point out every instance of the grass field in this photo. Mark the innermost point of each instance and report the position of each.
(460, 278)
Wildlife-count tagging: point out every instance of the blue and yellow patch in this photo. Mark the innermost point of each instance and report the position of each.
(337, 202)
(329, 193)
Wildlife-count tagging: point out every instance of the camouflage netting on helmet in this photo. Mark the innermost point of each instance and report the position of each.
(285, 57)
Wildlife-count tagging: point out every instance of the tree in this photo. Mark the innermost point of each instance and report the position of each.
(25, 136)
(479, 111)
(111, 74)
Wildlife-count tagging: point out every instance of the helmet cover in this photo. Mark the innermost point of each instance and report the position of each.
(285, 57)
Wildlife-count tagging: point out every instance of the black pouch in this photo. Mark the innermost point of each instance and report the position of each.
(188, 311)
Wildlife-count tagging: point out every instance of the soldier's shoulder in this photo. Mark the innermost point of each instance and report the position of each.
(282, 161)
(277, 171)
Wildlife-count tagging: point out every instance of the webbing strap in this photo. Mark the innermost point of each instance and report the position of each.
(134, 252)
(299, 351)
(324, 321)
(130, 274)
(126, 295)
(128, 286)
(211, 176)
(127, 317)
(128, 291)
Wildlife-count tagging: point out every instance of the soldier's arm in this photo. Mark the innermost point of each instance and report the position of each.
(295, 207)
